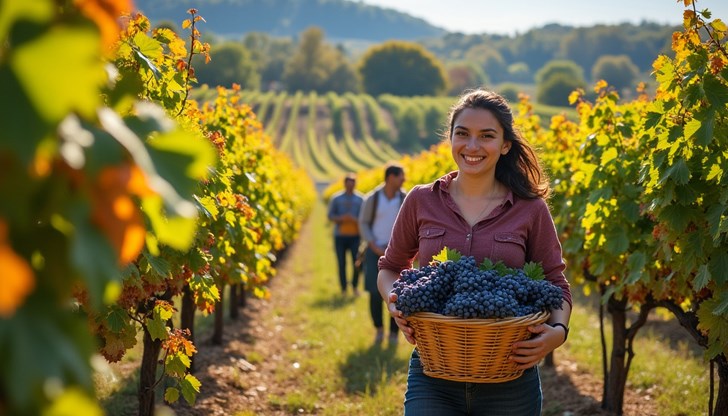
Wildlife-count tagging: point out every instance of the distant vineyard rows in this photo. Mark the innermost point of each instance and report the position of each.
(331, 134)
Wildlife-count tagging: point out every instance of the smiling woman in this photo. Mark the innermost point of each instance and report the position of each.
(492, 207)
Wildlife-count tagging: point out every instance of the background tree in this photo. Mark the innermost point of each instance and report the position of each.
(556, 80)
(230, 62)
(270, 55)
(410, 133)
(490, 59)
(617, 70)
(556, 89)
(463, 75)
(559, 66)
(314, 63)
(402, 68)
(520, 72)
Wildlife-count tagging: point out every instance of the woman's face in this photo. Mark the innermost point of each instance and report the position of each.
(477, 141)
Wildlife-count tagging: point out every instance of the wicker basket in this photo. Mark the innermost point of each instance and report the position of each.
(472, 350)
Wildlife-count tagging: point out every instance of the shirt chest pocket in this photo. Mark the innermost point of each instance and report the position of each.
(431, 240)
(509, 248)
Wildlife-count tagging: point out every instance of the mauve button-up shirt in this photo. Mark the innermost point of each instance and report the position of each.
(515, 232)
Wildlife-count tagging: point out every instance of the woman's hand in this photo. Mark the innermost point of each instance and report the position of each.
(398, 316)
(529, 352)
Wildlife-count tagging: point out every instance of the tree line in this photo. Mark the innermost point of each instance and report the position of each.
(547, 62)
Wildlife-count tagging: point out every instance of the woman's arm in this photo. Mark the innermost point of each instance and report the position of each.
(546, 338)
(385, 284)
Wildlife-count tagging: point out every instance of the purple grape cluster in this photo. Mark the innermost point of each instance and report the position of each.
(462, 288)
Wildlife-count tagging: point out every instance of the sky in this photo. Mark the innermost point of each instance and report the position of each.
(508, 17)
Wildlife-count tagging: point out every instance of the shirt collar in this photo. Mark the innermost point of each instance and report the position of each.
(443, 183)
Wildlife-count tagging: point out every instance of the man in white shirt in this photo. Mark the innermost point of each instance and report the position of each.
(376, 219)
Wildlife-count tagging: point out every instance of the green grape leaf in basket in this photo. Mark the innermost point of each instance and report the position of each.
(534, 270)
(499, 267)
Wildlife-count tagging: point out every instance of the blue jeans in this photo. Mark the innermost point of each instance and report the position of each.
(344, 244)
(430, 396)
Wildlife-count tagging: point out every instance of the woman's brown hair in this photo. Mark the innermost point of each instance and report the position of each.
(519, 169)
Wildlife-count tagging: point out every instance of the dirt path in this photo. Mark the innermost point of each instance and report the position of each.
(235, 381)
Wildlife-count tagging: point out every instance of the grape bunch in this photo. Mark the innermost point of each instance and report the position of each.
(465, 289)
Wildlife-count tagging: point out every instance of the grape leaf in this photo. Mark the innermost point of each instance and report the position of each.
(190, 387)
(533, 270)
(447, 254)
(176, 365)
(171, 395)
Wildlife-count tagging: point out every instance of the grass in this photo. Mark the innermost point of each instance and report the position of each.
(338, 370)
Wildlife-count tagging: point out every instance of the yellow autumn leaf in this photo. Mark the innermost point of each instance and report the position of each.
(718, 25)
(609, 155)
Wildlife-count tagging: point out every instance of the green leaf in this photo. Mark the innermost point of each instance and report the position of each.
(715, 216)
(92, 254)
(15, 11)
(652, 119)
(702, 278)
(678, 172)
(692, 126)
(715, 91)
(534, 270)
(617, 240)
(156, 327)
(178, 152)
(176, 232)
(712, 320)
(176, 365)
(630, 209)
(23, 127)
(75, 79)
(705, 134)
(117, 319)
(718, 265)
(190, 387)
(208, 206)
(171, 395)
(42, 341)
(146, 50)
(635, 265)
(722, 309)
(159, 265)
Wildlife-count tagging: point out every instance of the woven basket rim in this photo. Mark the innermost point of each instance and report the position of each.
(516, 320)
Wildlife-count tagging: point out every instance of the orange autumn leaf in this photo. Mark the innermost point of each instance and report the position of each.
(106, 14)
(137, 184)
(16, 279)
(117, 214)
